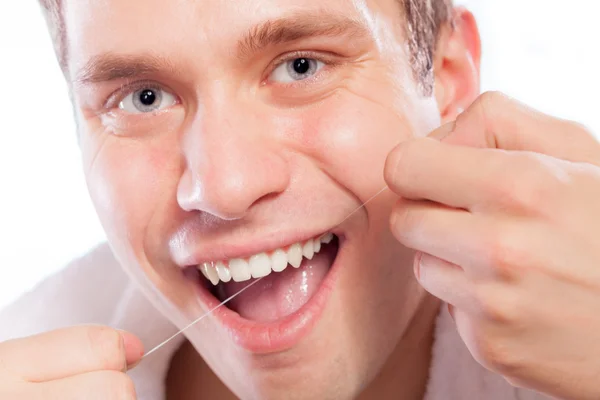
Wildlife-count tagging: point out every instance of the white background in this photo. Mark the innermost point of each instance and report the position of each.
(544, 52)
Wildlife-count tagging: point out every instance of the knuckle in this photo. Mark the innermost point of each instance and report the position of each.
(406, 221)
(584, 139)
(489, 100)
(508, 255)
(579, 131)
(501, 253)
(498, 355)
(498, 305)
(107, 348)
(534, 188)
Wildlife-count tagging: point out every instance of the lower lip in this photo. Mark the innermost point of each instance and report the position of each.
(277, 336)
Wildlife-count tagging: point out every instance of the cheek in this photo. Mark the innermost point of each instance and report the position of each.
(351, 138)
(131, 182)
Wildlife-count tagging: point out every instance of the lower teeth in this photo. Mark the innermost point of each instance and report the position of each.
(282, 293)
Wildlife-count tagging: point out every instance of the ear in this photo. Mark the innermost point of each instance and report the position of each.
(457, 65)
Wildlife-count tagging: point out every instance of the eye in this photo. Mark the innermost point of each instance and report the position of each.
(147, 100)
(297, 69)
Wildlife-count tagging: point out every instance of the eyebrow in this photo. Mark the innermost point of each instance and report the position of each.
(109, 67)
(297, 27)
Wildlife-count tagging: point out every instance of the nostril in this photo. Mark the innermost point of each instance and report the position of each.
(267, 197)
(229, 184)
(228, 200)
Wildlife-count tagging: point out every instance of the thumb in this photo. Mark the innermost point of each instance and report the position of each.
(497, 121)
(134, 349)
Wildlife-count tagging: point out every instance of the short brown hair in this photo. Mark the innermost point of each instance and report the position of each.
(424, 22)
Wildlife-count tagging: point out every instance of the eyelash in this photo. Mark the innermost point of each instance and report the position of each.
(125, 90)
(116, 97)
(324, 57)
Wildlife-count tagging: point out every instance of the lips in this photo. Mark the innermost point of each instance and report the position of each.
(278, 311)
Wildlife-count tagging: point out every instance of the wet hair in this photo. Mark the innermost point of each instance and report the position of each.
(424, 20)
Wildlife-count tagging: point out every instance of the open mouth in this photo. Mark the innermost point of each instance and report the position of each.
(279, 309)
(290, 275)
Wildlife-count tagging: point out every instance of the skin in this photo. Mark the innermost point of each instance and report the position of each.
(512, 247)
(72, 363)
(227, 160)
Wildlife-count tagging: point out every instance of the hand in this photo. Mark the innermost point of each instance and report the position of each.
(504, 213)
(69, 364)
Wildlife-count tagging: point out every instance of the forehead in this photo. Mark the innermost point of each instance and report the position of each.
(176, 26)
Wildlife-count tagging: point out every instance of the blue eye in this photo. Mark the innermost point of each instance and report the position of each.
(296, 70)
(147, 100)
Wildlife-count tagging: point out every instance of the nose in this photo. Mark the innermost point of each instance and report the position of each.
(232, 161)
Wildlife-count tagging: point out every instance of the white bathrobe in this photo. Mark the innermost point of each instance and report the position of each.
(94, 290)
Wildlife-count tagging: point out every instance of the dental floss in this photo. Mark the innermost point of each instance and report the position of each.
(200, 318)
(363, 205)
(165, 342)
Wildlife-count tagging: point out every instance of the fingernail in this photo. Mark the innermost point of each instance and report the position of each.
(417, 265)
(134, 349)
(451, 312)
(444, 131)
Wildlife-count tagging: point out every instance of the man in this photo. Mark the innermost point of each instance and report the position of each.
(224, 142)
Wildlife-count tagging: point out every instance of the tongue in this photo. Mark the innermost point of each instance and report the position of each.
(280, 294)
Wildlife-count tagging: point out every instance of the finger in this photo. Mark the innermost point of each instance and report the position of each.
(71, 351)
(454, 235)
(101, 385)
(425, 169)
(492, 247)
(445, 281)
(474, 179)
(496, 121)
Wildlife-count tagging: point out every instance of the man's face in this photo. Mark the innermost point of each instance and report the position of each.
(227, 135)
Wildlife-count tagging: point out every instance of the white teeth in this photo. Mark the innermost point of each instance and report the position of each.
(295, 255)
(240, 270)
(210, 273)
(202, 269)
(223, 272)
(261, 265)
(308, 250)
(327, 238)
(279, 260)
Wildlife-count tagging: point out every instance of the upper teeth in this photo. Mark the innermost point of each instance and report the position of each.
(260, 265)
